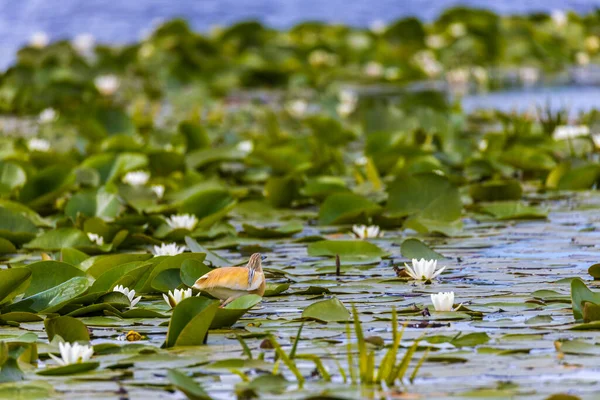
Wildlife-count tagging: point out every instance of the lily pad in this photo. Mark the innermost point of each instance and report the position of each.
(331, 310)
(414, 248)
(190, 321)
(70, 369)
(232, 312)
(341, 208)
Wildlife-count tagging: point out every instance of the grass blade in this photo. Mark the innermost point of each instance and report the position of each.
(245, 347)
(318, 363)
(286, 360)
(418, 366)
(349, 354)
(295, 346)
(403, 365)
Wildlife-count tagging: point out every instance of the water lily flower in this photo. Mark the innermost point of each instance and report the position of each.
(443, 301)
(348, 102)
(480, 74)
(592, 43)
(374, 69)
(426, 60)
(378, 26)
(297, 108)
(39, 40)
(182, 221)
(37, 144)
(174, 297)
(359, 41)
(318, 58)
(559, 17)
(423, 270)
(170, 249)
(582, 58)
(130, 293)
(97, 239)
(73, 353)
(457, 29)
(392, 73)
(47, 115)
(107, 84)
(245, 146)
(596, 140)
(529, 75)
(159, 190)
(367, 232)
(563, 132)
(136, 178)
(435, 41)
(84, 43)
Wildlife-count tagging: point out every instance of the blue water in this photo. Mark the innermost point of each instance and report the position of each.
(126, 20)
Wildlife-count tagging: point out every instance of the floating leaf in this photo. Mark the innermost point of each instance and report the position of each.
(53, 299)
(187, 385)
(70, 369)
(270, 232)
(190, 321)
(581, 294)
(512, 210)
(496, 190)
(228, 315)
(340, 208)
(414, 248)
(100, 203)
(13, 282)
(345, 248)
(59, 238)
(331, 310)
(69, 328)
(16, 227)
(191, 270)
(48, 274)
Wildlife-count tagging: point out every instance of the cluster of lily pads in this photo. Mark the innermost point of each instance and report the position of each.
(126, 173)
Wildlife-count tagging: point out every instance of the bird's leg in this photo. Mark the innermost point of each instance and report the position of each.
(224, 303)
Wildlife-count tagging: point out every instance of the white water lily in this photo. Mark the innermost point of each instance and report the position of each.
(97, 239)
(426, 60)
(297, 108)
(373, 69)
(107, 84)
(443, 301)
(378, 26)
(84, 43)
(318, 58)
(136, 178)
(367, 232)
(559, 17)
(563, 132)
(457, 29)
(245, 146)
(529, 75)
(174, 297)
(37, 144)
(359, 41)
(159, 190)
(596, 140)
(582, 58)
(182, 221)
(73, 353)
(435, 41)
(39, 40)
(130, 293)
(170, 249)
(47, 115)
(423, 270)
(392, 73)
(592, 43)
(348, 102)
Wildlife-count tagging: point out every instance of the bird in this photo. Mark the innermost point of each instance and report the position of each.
(229, 283)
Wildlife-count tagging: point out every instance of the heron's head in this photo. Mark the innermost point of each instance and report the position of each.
(255, 262)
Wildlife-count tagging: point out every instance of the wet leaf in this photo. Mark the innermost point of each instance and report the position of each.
(414, 248)
(190, 321)
(340, 208)
(69, 328)
(331, 310)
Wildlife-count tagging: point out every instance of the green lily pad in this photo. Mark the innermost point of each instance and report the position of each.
(414, 248)
(16, 227)
(232, 312)
(187, 385)
(52, 299)
(581, 294)
(331, 310)
(345, 249)
(191, 270)
(70, 369)
(69, 328)
(270, 232)
(48, 274)
(341, 208)
(512, 210)
(190, 321)
(13, 282)
(58, 238)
